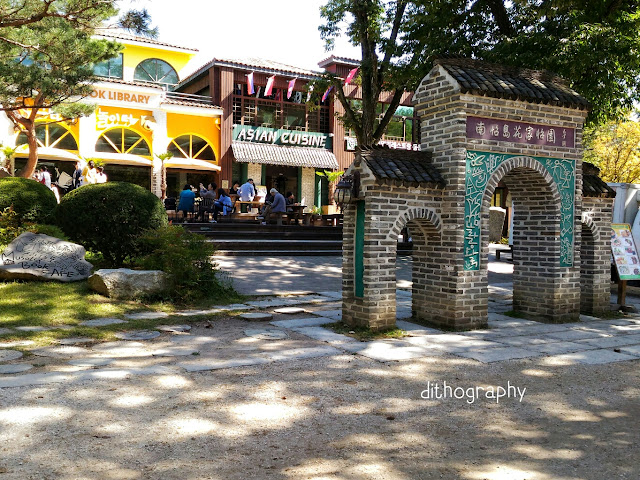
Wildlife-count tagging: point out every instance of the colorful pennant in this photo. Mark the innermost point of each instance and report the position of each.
(290, 89)
(270, 81)
(351, 75)
(326, 94)
(250, 88)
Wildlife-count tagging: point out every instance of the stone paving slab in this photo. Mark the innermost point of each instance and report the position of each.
(404, 313)
(194, 339)
(415, 329)
(6, 331)
(137, 335)
(256, 316)
(557, 348)
(75, 340)
(610, 342)
(451, 342)
(62, 351)
(90, 362)
(14, 368)
(80, 376)
(121, 349)
(174, 351)
(631, 350)
(102, 322)
(302, 322)
(32, 328)
(570, 335)
(9, 355)
(174, 328)
(197, 313)
(205, 364)
(498, 354)
(333, 314)
(289, 310)
(524, 340)
(588, 357)
(325, 335)
(266, 333)
(383, 351)
(270, 303)
(334, 294)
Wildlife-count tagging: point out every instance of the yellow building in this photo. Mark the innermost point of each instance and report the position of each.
(137, 118)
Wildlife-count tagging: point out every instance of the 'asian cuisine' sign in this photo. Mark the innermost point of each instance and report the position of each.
(625, 255)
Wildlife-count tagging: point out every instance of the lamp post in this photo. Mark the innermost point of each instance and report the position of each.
(347, 190)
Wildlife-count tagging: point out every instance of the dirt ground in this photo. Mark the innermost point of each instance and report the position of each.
(335, 417)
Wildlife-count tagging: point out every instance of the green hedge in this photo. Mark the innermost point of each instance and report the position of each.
(110, 218)
(31, 201)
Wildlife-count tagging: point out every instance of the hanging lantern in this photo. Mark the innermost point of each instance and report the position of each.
(347, 190)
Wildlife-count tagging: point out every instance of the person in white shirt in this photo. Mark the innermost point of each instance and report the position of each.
(45, 177)
(101, 177)
(89, 173)
(247, 191)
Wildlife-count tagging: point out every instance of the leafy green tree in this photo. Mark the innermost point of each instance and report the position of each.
(47, 55)
(614, 147)
(594, 45)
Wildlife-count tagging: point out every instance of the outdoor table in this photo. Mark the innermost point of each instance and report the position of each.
(296, 211)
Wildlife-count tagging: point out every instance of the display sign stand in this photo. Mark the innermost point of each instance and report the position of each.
(626, 259)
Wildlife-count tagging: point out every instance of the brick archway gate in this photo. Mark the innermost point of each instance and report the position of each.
(546, 285)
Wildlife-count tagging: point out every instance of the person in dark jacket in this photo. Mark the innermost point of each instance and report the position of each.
(279, 205)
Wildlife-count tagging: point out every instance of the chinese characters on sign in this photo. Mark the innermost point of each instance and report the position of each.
(624, 252)
(520, 132)
(480, 167)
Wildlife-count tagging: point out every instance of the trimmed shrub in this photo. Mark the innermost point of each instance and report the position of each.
(186, 259)
(109, 218)
(31, 201)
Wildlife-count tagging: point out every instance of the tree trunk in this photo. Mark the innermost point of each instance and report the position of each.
(32, 141)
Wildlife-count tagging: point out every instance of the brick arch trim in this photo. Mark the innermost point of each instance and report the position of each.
(587, 221)
(427, 215)
(519, 162)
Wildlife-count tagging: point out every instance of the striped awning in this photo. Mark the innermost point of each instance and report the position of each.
(281, 155)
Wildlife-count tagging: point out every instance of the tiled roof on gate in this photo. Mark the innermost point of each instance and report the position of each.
(483, 78)
(405, 167)
(592, 184)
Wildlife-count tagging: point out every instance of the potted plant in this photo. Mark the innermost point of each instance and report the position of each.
(332, 178)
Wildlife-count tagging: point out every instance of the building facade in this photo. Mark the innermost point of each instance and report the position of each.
(137, 118)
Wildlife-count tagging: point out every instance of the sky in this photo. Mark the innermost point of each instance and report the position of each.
(281, 30)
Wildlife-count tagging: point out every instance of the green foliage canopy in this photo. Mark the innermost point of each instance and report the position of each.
(593, 44)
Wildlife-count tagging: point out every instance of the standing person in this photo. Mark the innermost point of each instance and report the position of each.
(45, 177)
(279, 205)
(223, 204)
(101, 177)
(247, 191)
(89, 173)
(187, 199)
(77, 177)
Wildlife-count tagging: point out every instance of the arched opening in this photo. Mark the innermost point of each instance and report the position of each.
(51, 135)
(540, 223)
(594, 266)
(123, 140)
(155, 70)
(192, 147)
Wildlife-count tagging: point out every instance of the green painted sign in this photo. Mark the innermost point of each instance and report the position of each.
(480, 166)
(272, 136)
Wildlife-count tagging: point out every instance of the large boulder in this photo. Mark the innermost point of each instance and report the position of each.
(125, 284)
(34, 256)
(496, 223)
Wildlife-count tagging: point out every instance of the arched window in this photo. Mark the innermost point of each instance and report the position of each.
(122, 140)
(51, 135)
(156, 71)
(191, 146)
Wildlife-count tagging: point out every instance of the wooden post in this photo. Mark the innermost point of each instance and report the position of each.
(622, 292)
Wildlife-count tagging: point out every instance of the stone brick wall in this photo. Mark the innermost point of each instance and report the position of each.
(254, 170)
(595, 266)
(308, 187)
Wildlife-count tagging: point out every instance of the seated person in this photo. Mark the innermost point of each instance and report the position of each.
(268, 200)
(208, 196)
(187, 199)
(223, 204)
(290, 198)
(235, 188)
(277, 206)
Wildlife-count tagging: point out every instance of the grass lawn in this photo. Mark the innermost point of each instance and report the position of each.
(365, 334)
(51, 304)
